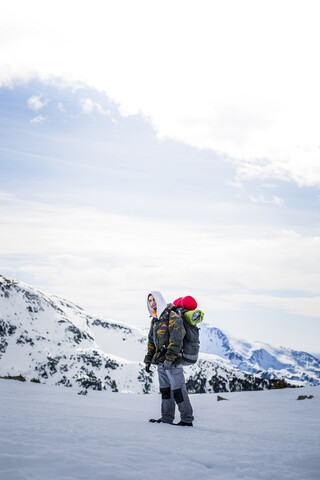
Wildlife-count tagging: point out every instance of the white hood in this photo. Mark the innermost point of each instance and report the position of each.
(161, 303)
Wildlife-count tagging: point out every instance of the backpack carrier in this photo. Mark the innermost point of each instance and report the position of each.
(191, 341)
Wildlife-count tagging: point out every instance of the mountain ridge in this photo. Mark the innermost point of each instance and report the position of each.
(46, 337)
(261, 358)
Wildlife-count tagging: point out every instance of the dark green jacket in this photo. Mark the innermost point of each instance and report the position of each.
(167, 331)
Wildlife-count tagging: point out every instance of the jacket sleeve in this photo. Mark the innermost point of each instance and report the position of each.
(151, 346)
(176, 335)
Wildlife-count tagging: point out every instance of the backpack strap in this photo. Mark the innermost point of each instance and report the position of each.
(172, 307)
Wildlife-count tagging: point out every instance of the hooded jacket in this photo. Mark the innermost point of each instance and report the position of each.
(166, 332)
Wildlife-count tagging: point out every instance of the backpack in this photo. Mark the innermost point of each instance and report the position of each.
(191, 341)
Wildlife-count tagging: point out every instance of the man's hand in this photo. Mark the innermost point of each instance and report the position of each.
(167, 365)
(148, 367)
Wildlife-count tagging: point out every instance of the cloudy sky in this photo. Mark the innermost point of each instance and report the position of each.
(165, 145)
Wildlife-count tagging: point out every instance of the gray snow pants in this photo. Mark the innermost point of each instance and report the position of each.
(173, 390)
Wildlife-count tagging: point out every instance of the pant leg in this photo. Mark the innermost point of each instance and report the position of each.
(167, 400)
(180, 394)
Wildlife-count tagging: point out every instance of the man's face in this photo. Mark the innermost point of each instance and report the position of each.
(152, 302)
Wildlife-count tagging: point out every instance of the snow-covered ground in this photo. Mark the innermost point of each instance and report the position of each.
(50, 432)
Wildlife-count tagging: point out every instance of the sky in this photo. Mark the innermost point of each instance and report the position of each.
(165, 146)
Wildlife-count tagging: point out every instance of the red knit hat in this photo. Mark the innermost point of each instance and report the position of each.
(189, 303)
(178, 302)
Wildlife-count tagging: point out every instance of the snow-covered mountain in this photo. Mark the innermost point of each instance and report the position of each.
(262, 359)
(55, 341)
(47, 338)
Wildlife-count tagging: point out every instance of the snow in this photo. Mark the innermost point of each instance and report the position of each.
(54, 433)
(297, 367)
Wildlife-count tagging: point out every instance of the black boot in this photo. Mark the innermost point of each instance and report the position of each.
(184, 424)
(153, 420)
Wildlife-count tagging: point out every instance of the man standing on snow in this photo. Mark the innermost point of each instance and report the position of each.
(164, 349)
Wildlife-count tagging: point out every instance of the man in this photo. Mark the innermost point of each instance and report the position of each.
(165, 342)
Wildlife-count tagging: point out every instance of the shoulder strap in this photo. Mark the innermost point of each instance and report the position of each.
(174, 308)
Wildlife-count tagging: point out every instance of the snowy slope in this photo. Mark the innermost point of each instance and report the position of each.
(53, 340)
(53, 433)
(261, 358)
(50, 339)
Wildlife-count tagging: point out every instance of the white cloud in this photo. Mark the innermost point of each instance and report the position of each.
(236, 183)
(85, 254)
(6, 196)
(60, 107)
(262, 199)
(308, 306)
(38, 119)
(300, 167)
(89, 107)
(216, 79)
(37, 102)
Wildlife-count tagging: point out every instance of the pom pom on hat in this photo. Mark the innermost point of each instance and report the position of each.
(178, 302)
(189, 303)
